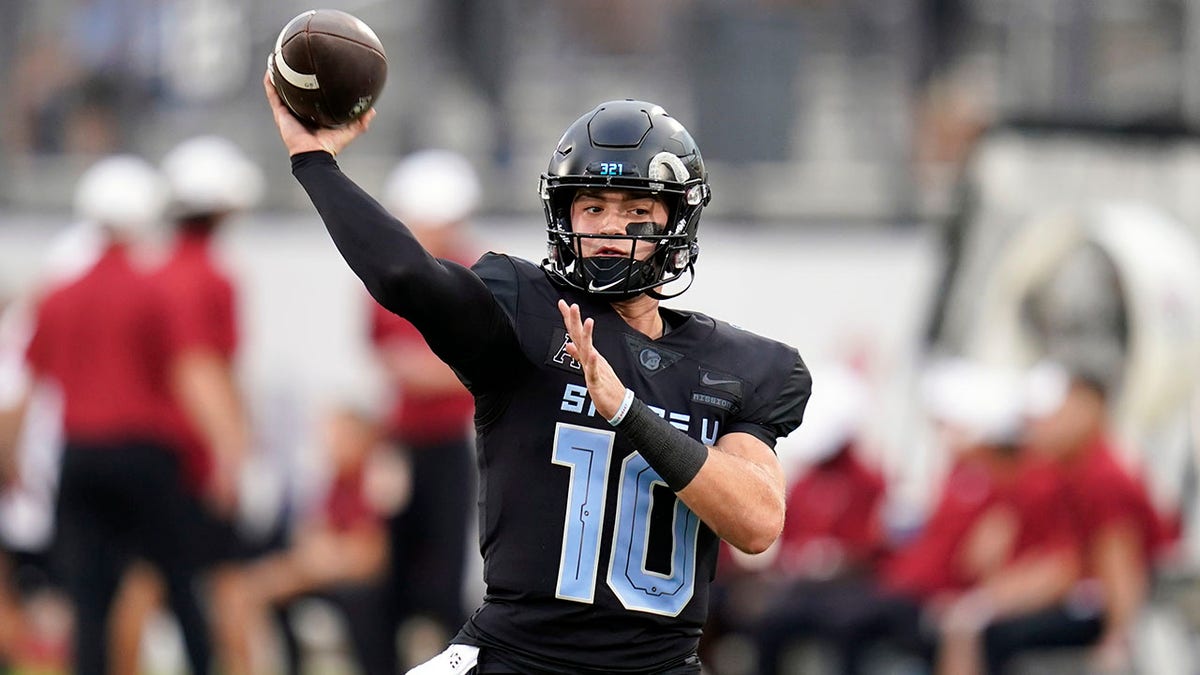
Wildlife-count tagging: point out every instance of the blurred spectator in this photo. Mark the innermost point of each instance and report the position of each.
(340, 553)
(1119, 532)
(35, 634)
(106, 339)
(83, 72)
(209, 179)
(1043, 564)
(833, 527)
(434, 192)
(970, 536)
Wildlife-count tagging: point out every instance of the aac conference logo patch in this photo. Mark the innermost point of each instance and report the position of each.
(558, 356)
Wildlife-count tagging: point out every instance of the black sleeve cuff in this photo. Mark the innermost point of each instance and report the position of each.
(302, 160)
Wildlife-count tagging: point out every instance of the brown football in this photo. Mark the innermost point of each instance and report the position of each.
(328, 67)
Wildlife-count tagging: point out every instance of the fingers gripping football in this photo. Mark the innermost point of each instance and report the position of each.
(300, 138)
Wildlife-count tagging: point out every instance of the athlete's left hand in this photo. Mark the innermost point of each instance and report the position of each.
(605, 387)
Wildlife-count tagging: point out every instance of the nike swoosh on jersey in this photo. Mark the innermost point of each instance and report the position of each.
(710, 382)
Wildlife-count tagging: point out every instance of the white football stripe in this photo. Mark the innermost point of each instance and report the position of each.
(294, 77)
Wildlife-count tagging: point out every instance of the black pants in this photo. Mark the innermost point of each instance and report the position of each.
(117, 503)
(1052, 628)
(492, 662)
(365, 610)
(850, 617)
(428, 539)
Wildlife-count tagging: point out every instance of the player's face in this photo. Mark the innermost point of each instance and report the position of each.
(612, 212)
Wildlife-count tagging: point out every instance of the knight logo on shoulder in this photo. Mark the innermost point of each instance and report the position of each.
(650, 359)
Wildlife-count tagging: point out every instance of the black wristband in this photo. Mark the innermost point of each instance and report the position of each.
(676, 456)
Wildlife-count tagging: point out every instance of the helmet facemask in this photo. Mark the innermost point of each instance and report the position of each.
(621, 277)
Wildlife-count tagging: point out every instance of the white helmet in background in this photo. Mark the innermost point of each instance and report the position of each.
(211, 174)
(432, 188)
(983, 403)
(123, 193)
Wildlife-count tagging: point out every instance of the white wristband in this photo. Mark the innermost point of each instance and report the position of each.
(626, 403)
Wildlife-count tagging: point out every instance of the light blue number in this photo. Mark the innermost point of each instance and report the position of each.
(637, 587)
(587, 452)
(611, 168)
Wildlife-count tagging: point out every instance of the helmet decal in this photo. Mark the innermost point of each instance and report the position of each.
(663, 161)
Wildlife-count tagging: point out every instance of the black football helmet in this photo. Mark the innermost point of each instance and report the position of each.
(626, 145)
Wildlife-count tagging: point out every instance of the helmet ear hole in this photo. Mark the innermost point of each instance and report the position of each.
(679, 260)
(682, 258)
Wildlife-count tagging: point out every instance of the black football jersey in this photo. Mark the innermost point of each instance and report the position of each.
(591, 561)
(592, 564)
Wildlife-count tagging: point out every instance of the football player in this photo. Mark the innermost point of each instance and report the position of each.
(105, 338)
(209, 179)
(618, 440)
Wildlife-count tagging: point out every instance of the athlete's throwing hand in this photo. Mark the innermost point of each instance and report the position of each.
(602, 383)
(299, 138)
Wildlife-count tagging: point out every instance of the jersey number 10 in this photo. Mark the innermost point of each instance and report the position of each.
(587, 452)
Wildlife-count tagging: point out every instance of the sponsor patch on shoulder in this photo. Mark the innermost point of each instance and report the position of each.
(715, 401)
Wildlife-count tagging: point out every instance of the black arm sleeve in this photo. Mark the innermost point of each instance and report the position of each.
(452, 307)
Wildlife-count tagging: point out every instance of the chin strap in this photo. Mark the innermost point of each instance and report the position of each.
(691, 270)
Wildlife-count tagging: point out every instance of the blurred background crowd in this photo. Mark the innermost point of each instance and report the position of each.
(978, 220)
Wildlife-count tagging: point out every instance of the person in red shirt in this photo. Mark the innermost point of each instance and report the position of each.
(209, 179)
(833, 526)
(1118, 531)
(434, 192)
(969, 536)
(827, 554)
(27, 500)
(1042, 564)
(833, 533)
(107, 340)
